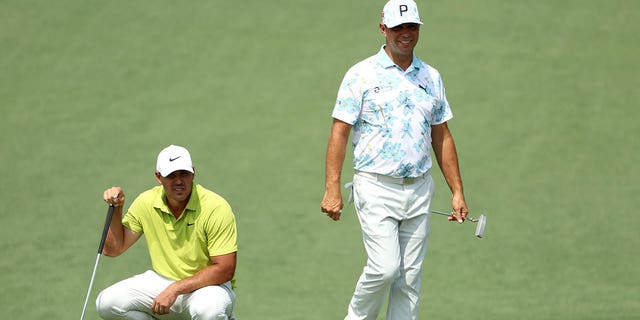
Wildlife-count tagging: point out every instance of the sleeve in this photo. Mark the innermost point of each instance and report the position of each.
(349, 99)
(131, 220)
(442, 112)
(221, 231)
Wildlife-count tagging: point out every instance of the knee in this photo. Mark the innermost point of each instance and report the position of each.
(391, 273)
(107, 305)
(386, 273)
(212, 302)
(215, 311)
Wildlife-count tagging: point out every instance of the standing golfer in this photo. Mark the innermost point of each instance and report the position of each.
(191, 237)
(398, 110)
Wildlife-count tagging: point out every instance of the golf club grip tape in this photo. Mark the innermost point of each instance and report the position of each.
(105, 229)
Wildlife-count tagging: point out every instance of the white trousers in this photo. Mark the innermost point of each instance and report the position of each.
(132, 299)
(395, 219)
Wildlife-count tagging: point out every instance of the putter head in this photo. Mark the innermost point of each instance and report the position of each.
(482, 222)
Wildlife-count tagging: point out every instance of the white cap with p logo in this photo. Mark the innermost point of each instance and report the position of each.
(397, 12)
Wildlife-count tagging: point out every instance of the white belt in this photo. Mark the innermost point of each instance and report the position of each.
(384, 178)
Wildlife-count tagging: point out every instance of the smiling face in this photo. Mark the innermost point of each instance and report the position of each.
(177, 186)
(400, 41)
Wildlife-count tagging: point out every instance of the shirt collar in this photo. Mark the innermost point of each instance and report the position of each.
(385, 61)
(192, 205)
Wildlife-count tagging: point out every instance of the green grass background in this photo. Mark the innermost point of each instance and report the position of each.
(545, 95)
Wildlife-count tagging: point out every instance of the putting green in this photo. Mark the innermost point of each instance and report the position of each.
(544, 96)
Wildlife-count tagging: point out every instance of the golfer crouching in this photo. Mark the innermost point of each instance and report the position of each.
(192, 241)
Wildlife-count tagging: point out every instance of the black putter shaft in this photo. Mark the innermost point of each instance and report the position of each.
(105, 230)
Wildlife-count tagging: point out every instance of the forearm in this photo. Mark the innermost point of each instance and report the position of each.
(115, 237)
(334, 161)
(447, 157)
(331, 203)
(336, 152)
(450, 168)
(211, 275)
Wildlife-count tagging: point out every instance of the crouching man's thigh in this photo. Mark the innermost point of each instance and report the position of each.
(211, 302)
(131, 298)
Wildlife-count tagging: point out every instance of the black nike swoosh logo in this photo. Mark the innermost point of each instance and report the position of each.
(190, 224)
(172, 159)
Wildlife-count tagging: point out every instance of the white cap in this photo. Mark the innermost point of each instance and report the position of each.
(173, 158)
(397, 12)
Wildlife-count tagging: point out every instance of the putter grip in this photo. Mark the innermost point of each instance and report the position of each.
(105, 230)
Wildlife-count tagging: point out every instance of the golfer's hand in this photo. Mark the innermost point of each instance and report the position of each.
(114, 196)
(460, 210)
(163, 302)
(332, 204)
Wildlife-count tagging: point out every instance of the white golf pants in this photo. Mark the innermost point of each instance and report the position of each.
(395, 218)
(132, 299)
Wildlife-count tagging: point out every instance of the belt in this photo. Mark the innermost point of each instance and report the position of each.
(390, 179)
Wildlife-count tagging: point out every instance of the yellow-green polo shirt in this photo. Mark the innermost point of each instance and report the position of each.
(181, 247)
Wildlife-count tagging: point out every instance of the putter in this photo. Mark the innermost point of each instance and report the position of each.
(481, 222)
(105, 230)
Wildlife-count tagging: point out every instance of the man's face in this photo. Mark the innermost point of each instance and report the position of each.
(401, 39)
(177, 185)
